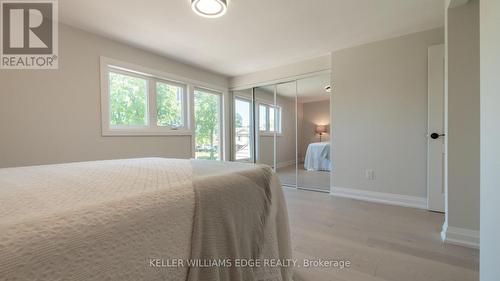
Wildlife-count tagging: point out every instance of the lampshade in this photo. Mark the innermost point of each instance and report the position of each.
(209, 8)
(320, 129)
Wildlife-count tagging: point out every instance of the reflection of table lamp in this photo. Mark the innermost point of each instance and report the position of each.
(320, 129)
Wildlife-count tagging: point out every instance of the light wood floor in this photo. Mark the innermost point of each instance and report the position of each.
(382, 242)
(319, 180)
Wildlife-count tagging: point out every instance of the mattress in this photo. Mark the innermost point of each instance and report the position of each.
(318, 157)
(111, 220)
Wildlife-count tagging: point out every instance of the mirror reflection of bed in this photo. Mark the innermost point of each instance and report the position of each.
(286, 126)
(313, 166)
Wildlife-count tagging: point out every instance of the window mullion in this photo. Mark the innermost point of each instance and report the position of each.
(190, 115)
(186, 107)
(268, 121)
(153, 119)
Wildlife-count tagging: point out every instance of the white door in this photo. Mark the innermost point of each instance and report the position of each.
(436, 138)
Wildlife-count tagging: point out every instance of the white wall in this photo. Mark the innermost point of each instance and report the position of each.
(285, 144)
(463, 133)
(380, 114)
(53, 116)
(490, 139)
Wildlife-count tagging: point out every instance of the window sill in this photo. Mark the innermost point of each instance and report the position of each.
(270, 135)
(144, 132)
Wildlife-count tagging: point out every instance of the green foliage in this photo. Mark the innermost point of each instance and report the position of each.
(239, 120)
(127, 100)
(206, 108)
(169, 105)
(128, 107)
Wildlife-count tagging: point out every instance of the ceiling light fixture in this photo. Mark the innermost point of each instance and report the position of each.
(209, 8)
(328, 89)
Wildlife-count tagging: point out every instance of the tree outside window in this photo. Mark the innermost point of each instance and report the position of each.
(207, 119)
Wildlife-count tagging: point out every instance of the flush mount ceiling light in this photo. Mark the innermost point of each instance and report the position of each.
(209, 8)
(328, 89)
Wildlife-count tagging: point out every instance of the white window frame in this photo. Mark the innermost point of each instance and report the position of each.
(278, 116)
(250, 131)
(154, 114)
(153, 76)
(222, 135)
(147, 105)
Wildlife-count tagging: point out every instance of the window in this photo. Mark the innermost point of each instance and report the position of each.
(128, 100)
(242, 125)
(272, 121)
(137, 103)
(169, 105)
(208, 120)
(263, 117)
(269, 119)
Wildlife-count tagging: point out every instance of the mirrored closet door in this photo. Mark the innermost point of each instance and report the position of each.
(286, 126)
(313, 131)
(286, 133)
(265, 125)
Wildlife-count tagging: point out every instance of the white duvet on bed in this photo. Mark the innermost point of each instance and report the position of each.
(107, 220)
(318, 157)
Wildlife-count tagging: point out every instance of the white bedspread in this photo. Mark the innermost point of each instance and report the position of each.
(107, 220)
(318, 157)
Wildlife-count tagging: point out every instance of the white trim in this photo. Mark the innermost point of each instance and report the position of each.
(278, 115)
(283, 73)
(280, 80)
(191, 119)
(153, 96)
(226, 128)
(460, 236)
(313, 189)
(275, 141)
(161, 74)
(296, 115)
(222, 125)
(152, 74)
(242, 98)
(151, 128)
(380, 197)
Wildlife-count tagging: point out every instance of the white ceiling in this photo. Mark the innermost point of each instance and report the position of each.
(313, 88)
(254, 34)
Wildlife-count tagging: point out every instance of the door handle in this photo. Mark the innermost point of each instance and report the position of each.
(436, 135)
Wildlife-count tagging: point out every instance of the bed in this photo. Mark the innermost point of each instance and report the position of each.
(141, 219)
(318, 157)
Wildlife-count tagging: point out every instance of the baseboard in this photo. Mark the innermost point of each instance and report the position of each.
(285, 163)
(381, 197)
(460, 236)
